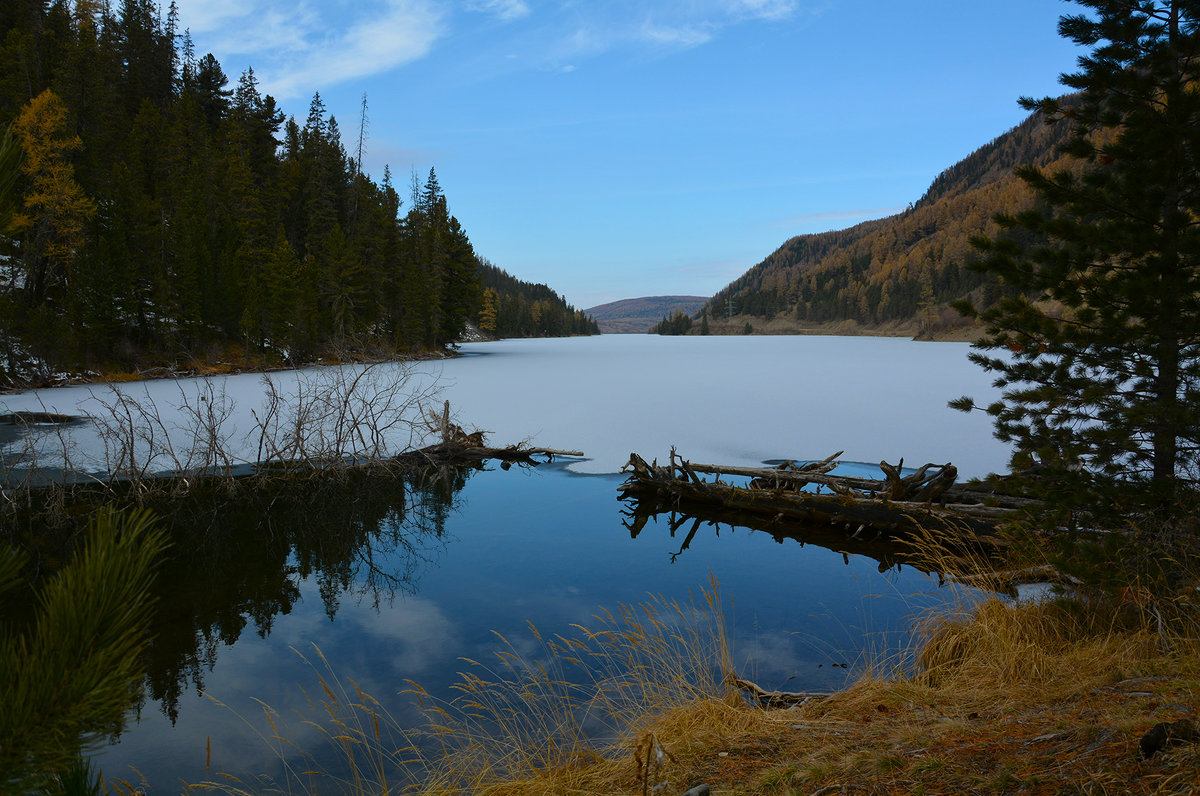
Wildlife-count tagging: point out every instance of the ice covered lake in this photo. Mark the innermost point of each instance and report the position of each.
(419, 579)
(733, 400)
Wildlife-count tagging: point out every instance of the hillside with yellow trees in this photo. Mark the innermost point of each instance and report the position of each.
(896, 274)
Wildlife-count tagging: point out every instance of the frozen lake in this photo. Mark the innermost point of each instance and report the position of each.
(733, 400)
(403, 582)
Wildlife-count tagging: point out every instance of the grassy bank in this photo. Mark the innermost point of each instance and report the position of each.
(1050, 696)
(1032, 699)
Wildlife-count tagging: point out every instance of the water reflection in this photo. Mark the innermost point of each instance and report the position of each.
(239, 556)
(400, 578)
(638, 511)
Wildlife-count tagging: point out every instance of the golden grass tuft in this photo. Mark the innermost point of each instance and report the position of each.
(590, 711)
(1057, 645)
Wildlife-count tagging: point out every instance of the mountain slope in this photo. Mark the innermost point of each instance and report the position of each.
(899, 272)
(637, 315)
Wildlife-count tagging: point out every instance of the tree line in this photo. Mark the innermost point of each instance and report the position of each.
(515, 308)
(680, 323)
(151, 212)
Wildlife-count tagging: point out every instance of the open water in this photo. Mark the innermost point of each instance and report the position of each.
(402, 581)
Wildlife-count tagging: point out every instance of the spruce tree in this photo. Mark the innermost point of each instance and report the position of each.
(1097, 343)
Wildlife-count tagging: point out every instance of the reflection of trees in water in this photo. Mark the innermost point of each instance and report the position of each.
(239, 559)
(641, 510)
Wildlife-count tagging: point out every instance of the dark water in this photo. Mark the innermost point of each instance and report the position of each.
(395, 581)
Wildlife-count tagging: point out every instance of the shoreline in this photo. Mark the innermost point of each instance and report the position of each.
(220, 367)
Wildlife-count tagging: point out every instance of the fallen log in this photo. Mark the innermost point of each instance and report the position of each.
(898, 506)
(456, 453)
(26, 418)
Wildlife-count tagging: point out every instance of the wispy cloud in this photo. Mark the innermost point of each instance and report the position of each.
(297, 47)
(681, 37)
(201, 16)
(506, 10)
(581, 30)
(764, 9)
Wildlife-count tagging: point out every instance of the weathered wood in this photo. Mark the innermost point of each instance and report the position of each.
(954, 495)
(792, 477)
(38, 418)
(859, 505)
(455, 452)
(1011, 578)
(774, 699)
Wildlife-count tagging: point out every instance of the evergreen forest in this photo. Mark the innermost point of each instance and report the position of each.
(155, 213)
(513, 308)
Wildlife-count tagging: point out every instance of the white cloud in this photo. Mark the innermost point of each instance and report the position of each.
(670, 25)
(201, 16)
(764, 9)
(274, 34)
(506, 10)
(682, 37)
(297, 47)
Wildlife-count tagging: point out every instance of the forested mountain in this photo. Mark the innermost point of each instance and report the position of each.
(637, 315)
(902, 270)
(513, 308)
(153, 213)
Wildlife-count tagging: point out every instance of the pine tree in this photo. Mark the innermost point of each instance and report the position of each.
(1100, 329)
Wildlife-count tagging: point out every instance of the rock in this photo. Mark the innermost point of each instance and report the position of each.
(1168, 733)
(699, 790)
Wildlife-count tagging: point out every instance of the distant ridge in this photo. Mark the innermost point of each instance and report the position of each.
(637, 315)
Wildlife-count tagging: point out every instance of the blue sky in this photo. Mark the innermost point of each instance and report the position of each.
(617, 148)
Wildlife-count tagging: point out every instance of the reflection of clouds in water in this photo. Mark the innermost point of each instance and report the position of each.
(770, 659)
(375, 650)
(378, 647)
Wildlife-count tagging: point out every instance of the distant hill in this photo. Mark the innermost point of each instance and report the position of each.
(637, 315)
(895, 274)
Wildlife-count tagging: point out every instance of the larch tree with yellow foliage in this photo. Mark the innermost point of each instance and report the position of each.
(53, 214)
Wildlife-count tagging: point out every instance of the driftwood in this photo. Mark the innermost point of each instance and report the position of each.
(456, 452)
(38, 418)
(897, 506)
(774, 699)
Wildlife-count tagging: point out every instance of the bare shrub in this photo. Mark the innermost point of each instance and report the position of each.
(341, 414)
(326, 418)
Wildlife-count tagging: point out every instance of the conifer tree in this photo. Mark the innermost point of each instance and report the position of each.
(55, 209)
(1099, 332)
(491, 306)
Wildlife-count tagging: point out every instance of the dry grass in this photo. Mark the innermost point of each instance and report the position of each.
(366, 750)
(997, 697)
(589, 713)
